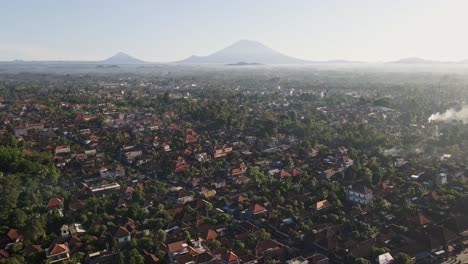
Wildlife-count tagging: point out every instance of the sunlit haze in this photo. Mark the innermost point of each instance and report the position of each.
(164, 31)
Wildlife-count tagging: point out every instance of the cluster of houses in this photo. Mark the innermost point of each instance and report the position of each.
(110, 153)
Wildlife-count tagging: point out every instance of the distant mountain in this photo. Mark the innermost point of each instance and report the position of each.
(414, 60)
(242, 63)
(122, 58)
(245, 51)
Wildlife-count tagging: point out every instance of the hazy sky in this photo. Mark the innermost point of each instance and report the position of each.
(152, 30)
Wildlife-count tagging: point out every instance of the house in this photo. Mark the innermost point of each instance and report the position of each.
(64, 232)
(35, 126)
(190, 138)
(201, 156)
(283, 174)
(112, 171)
(62, 149)
(55, 203)
(57, 252)
(20, 131)
(166, 147)
(209, 193)
(347, 161)
(77, 229)
(122, 235)
(342, 150)
(12, 237)
(441, 178)
(359, 194)
(103, 189)
(256, 211)
(321, 205)
(230, 258)
(327, 174)
(241, 179)
(210, 234)
(184, 196)
(176, 249)
(222, 151)
(132, 154)
(385, 259)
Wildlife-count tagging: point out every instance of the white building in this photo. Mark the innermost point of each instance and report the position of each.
(441, 178)
(359, 194)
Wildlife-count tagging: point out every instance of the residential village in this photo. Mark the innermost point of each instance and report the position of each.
(184, 176)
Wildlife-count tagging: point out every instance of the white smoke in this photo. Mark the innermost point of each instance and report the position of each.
(450, 115)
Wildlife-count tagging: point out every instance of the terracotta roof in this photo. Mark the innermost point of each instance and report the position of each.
(13, 234)
(192, 251)
(283, 173)
(190, 139)
(54, 202)
(29, 249)
(58, 248)
(121, 232)
(256, 208)
(210, 234)
(230, 257)
(240, 198)
(129, 190)
(235, 171)
(176, 246)
(321, 204)
(295, 172)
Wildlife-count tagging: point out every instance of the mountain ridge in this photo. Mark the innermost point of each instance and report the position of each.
(121, 58)
(248, 51)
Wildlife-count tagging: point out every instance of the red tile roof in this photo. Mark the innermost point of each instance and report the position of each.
(176, 246)
(283, 173)
(256, 208)
(54, 202)
(210, 234)
(121, 232)
(58, 248)
(13, 234)
(320, 205)
(230, 257)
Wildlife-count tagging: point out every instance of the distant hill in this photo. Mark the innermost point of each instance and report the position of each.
(121, 58)
(118, 59)
(414, 60)
(245, 51)
(242, 63)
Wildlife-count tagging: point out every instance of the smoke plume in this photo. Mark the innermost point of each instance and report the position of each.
(450, 115)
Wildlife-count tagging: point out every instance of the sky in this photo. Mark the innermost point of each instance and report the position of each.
(163, 31)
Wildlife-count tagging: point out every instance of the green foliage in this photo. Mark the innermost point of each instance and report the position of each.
(135, 257)
(361, 261)
(402, 258)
